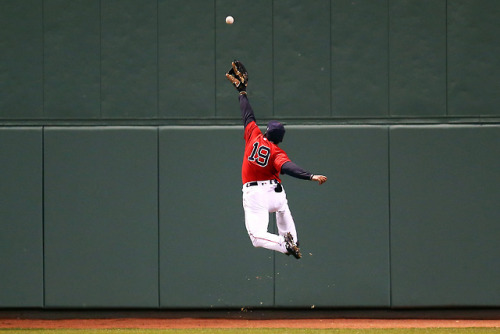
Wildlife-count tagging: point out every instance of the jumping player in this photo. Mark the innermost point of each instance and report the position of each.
(263, 162)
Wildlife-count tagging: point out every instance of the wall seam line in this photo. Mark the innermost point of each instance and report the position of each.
(43, 157)
(43, 59)
(43, 218)
(157, 60)
(389, 145)
(158, 211)
(389, 211)
(389, 58)
(215, 58)
(100, 59)
(331, 61)
(446, 58)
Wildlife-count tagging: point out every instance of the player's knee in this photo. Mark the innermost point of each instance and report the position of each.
(255, 241)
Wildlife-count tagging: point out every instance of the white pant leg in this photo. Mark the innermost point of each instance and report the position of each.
(284, 220)
(255, 203)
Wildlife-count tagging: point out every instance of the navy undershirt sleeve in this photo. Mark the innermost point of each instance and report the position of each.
(290, 168)
(247, 114)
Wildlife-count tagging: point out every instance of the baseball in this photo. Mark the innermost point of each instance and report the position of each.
(229, 20)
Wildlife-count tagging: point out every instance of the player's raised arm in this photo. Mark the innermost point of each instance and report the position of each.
(238, 76)
(247, 114)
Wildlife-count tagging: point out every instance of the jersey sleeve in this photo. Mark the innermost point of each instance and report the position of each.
(251, 131)
(280, 159)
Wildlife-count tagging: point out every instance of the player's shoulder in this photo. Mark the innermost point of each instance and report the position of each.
(252, 129)
(251, 125)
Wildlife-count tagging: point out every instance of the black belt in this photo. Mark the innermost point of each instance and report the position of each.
(256, 183)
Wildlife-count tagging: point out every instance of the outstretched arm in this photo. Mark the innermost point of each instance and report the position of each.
(296, 171)
(247, 114)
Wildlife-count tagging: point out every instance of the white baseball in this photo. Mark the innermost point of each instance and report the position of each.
(229, 20)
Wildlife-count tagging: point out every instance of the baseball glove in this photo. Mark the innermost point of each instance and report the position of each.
(238, 76)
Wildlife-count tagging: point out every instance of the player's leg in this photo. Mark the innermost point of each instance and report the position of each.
(257, 223)
(285, 222)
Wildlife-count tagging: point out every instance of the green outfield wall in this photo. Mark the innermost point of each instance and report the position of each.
(111, 61)
(121, 147)
(151, 217)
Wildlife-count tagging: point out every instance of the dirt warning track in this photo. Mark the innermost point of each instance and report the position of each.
(255, 319)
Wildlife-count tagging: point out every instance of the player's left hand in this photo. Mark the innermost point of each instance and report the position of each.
(319, 178)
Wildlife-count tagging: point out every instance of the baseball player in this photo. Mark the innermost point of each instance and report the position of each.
(263, 162)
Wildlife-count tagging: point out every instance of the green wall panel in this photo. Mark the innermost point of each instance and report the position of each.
(342, 225)
(417, 48)
(135, 60)
(21, 260)
(101, 217)
(186, 58)
(301, 58)
(21, 59)
(129, 58)
(206, 256)
(473, 57)
(445, 192)
(250, 40)
(359, 32)
(71, 59)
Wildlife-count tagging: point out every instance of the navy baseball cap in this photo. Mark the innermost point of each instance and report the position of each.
(275, 132)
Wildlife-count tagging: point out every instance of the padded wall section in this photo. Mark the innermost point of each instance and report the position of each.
(21, 59)
(186, 58)
(417, 48)
(206, 257)
(21, 260)
(129, 58)
(445, 211)
(71, 59)
(301, 54)
(342, 225)
(473, 57)
(359, 47)
(101, 217)
(90, 60)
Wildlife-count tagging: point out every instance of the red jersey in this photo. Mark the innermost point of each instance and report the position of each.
(262, 159)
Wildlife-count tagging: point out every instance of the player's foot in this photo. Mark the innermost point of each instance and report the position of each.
(291, 247)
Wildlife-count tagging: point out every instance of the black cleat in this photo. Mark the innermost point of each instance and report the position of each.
(291, 247)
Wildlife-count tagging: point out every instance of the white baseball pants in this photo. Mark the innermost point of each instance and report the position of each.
(260, 200)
